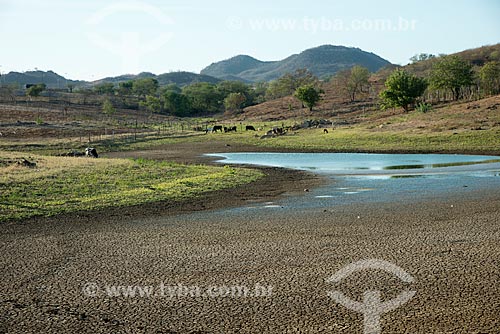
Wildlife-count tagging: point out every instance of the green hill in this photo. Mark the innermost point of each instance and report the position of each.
(323, 61)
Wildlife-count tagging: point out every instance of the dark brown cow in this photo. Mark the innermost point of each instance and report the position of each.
(217, 128)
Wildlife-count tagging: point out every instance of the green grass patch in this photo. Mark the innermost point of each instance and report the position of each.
(355, 140)
(343, 139)
(61, 184)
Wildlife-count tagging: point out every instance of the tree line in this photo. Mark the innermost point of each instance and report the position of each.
(405, 89)
(201, 98)
(448, 73)
(402, 88)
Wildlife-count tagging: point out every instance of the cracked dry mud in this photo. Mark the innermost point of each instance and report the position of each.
(453, 253)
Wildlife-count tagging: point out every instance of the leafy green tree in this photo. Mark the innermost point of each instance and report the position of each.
(151, 104)
(204, 97)
(144, 87)
(170, 88)
(234, 102)
(35, 90)
(107, 107)
(125, 88)
(228, 87)
(453, 73)
(490, 77)
(177, 104)
(106, 88)
(402, 89)
(309, 95)
(353, 80)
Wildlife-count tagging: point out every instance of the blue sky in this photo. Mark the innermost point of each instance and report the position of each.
(92, 39)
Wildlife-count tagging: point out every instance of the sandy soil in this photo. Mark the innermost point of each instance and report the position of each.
(57, 273)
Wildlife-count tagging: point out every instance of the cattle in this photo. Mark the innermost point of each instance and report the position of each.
(325, 130)
(278, 131)
(249, 128)
(91, 152)
(232, 129)
(217, 128)
(26, 163)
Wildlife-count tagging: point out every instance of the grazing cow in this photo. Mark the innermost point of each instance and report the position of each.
(249, 128)
(226, 129)
(278, 131)
(91, 152)
(325, 130)
(232, 129)
(217, 128)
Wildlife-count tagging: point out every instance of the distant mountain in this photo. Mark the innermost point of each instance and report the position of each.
(233, 67)
(123, 78)
(323, 61)
(185, 78)
(51, 79)
(55, 81)
(179, 78)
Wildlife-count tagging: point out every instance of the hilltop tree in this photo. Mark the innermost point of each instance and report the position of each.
(353, 80)
(453, 73)
(35, 90)
(144, 87)
(309, 95)
(421, 57)
(490, 77)
(402, 90)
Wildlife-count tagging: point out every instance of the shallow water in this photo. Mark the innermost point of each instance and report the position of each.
(355, 163)
(365, 178)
